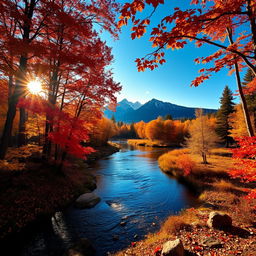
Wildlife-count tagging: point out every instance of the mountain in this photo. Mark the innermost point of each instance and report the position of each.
(134, 105)
(123, 107)
(151, 110)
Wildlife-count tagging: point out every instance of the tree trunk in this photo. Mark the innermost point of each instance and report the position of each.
(244, 104)
(241, 93)
(12, 104)
(47, 148)
(7, 132)
(22, 128)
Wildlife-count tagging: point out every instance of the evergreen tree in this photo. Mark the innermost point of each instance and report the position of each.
(226, 108)
(168, 117)
(113, 119)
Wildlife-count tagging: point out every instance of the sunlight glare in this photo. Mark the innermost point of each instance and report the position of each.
(35, 86)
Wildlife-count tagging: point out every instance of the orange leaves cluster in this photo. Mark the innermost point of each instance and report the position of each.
(167, 131)
(245, 158)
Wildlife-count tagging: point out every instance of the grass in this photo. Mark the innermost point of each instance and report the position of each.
(176, 162)
(183, 221)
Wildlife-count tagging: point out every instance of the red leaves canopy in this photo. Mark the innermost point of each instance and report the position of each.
(206, 22)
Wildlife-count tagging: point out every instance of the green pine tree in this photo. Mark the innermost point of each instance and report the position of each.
(113, 119)
(168, 117)
(226, 108)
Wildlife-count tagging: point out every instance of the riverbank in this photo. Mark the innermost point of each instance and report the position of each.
(217, 192)
(151, 143)
(30, 189)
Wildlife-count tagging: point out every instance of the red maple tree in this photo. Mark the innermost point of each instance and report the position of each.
(213, 22)
(56, 41)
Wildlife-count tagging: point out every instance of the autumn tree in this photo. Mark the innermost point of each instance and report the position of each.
(102, 131)
(57, 41)
(20, 29)
(154, 129)
(213, 22)
(140, 129)
(226, 108)
(202, 136)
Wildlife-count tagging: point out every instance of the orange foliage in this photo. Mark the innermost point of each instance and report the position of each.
(167, 131)
(140, 129)
(102, 131)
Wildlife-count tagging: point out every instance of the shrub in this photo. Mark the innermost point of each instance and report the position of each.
(185, 163)
(177, 160)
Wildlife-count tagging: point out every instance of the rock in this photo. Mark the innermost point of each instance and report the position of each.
(211, 242)
(87, 200)
(115, 237)
(219, 220)
(122, 223)
(82, 248)
(173, 248)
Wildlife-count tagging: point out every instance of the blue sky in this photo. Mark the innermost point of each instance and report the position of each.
(171, 81)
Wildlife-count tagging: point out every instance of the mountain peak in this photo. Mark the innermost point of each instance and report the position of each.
(127, 111)
(134, 105)
(155, 100)
(124, 101)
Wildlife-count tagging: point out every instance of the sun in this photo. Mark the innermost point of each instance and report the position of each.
(34, 86)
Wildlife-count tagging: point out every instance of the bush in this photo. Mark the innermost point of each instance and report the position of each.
(177, 161)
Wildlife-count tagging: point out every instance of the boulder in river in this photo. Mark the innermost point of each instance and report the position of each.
(122, 223)
(82, 247)
(173, 248)
(87, 200)
(219, 220)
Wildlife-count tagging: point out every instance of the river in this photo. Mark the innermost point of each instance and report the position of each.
(132, 189)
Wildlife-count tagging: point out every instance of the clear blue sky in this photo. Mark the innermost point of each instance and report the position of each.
(171, 81)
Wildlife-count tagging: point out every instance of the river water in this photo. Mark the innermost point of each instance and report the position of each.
(132, 189)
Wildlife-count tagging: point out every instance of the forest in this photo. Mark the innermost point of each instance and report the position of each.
(59, 154)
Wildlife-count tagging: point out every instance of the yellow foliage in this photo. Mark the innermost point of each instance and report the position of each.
(237, 122)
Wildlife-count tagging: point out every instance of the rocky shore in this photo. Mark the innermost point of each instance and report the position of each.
(33, 194)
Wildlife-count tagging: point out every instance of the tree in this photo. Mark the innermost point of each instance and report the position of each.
(206, 22)
(250, 96)
(202, 136)
(154, 129)
(113, 119)
(226, 108)
(168, 117)
(57, 41)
